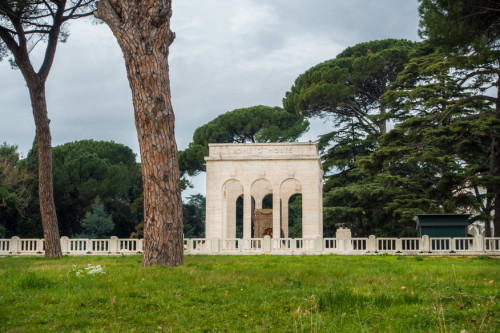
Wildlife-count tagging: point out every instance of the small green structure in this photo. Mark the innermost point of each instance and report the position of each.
(442, 225)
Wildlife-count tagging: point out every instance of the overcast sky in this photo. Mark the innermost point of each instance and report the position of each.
(228, 54)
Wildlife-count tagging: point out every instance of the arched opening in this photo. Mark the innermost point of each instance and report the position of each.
(239, 217)
(295, 216)
(267, 202)
(232, 190)
(291, 208)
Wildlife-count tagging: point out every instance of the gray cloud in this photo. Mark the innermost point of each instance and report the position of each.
(228, 54)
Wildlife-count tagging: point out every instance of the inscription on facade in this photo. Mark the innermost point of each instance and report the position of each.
(260, 150)
(256, 150)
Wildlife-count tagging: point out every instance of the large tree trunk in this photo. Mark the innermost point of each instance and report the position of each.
(142, 29)
(45, 188)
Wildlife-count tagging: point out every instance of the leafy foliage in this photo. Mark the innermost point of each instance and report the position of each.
(97, 223)
(23, 24)
(461, 24)
(350, 86)
(194, 216)
(8, 198)
(19, 210)
(254, 124)
(349, 90)
(441, 155)
(448, 94)
(84, 170)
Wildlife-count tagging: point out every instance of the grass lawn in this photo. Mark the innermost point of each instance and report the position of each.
(326, 293)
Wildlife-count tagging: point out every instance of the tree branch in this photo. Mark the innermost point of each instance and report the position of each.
(464, 101)
(5, 35)
(468, 76)
(52, 43)
(49, 8)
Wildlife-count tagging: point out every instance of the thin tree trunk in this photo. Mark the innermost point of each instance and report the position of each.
(496, 157)
(45, 188)
(382, 125)
(143, 33)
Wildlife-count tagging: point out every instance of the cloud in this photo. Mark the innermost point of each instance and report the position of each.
(227, 54)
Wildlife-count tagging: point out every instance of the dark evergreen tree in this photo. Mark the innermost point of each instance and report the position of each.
(84, 170)
(97, 223)
(254, 124)
(194, 216)
(349, 91)
(451, 84)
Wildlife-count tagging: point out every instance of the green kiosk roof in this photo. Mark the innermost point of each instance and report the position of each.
(442, 225)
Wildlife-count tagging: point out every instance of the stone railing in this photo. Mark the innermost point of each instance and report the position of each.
(425, 245)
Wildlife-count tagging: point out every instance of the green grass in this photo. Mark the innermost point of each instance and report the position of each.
(252, 293)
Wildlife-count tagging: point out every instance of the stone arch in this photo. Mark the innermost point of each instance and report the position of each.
(262, 168)
(232, 189)
(288, 188)
(259, 189)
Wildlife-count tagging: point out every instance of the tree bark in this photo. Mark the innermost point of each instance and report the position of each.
(496, 157)
(45, 188)
(382, 125)
(142, 29)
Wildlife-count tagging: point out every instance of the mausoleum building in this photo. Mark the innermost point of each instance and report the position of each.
(254, 171)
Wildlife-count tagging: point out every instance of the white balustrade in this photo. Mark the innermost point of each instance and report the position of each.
(441, 244)
(387, 245)
(230, 245)
(252, 244)
(78, 246)
(4, 246)
(407, 246)
(128, 245)
(303, 244)
(30, 246)
(333, 245)
(492, 245)
(358, 245)
(281, 244)
(411, 245)
(99, 245)
(464, 244)
(200, 245)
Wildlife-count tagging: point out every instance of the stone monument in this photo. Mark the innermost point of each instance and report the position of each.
(255, 170)
(263, 221)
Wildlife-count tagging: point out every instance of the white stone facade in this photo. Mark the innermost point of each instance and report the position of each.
(254, 170)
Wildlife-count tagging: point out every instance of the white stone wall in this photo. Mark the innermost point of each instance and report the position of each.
(256, 170)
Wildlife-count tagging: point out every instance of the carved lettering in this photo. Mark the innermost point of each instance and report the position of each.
(258, 150)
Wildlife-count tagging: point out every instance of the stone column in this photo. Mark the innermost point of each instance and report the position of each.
(39, 246)
(64, 244)
(372, 243)
(215, 247)
(266, 244)
(230, 222)
(114, 245)
(479, 240)
(14, 245)
(312, 216)
(318, 244)
(276, 213)
(426, 245)
(284, 216)
(247, 213)
(258, 202)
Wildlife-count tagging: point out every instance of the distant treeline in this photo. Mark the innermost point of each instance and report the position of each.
(97, 192)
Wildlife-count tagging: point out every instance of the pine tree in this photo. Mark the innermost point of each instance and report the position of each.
(97, 223)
